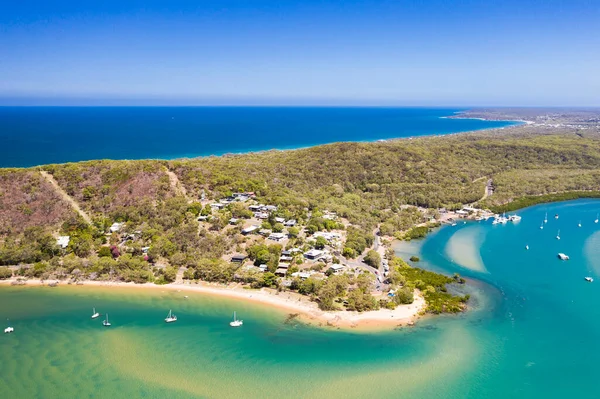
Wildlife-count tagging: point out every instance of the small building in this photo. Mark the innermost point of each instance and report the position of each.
(233, 220)
(336, 269)
(290, 223)
(302, 275)
(277, 236)
(145, 250)
(263, 268)
(238, 258)
(261, 215)
(270, 208)
(282, 269)
(329, 236)
(249, 230)
(255, 208)
(217, 205)
(285, 258)
(63, 241)
(202, 218)
(264, 232)
(279, 220)
(313, 254)
(116, 227)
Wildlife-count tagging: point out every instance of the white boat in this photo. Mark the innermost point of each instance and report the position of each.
(579, 224)
(556, 216)
(589, 279)
(562, 256)
(596, 221)
(558, 235)
(236, 322)
(542, 226)
(453, 224)
(106, 323)
(171, 317)
(95, 314)
(8, 330)
(546, 218)
(526, 246)
(514, 218)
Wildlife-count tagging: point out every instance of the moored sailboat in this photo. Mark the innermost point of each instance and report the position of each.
(236, 322)
(171, 317)
(95, 314)
(106, 323)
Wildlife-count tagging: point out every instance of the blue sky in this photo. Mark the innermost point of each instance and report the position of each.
(458, 53)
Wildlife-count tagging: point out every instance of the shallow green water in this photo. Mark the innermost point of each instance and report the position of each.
(532, 331)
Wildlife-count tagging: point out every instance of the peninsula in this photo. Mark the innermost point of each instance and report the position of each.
(312, 225)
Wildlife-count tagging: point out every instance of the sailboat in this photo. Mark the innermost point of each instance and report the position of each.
(171, 317)
(542, 226)
(95, 314)
(106, 323)
(526, 246)
(579, 224)
(558, 235)
(546, 218)
(236, 322)
(556, 216)
(8, 329)
(596, 221)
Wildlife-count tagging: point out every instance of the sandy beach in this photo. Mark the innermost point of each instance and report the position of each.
(292, 302)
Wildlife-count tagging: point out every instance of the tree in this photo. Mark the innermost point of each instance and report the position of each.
(373, 258)
(278, 227)
(293, 232)
(5, 273)
(104, 252)
(361, 301)
(403, 296)
(170, 274)
(269, 280)
(327, 294)
(349, 253)
(320, 243)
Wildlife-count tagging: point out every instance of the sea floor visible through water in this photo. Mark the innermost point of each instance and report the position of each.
(531, 331)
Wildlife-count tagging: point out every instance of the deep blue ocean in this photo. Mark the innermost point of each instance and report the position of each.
(32, 136)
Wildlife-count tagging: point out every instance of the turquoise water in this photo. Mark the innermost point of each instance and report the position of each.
(532, 331)
(40, 135)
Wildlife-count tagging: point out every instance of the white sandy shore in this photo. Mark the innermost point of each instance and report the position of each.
(289, 301)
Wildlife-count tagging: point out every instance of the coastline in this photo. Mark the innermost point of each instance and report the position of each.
(305, 310)
(284, 148)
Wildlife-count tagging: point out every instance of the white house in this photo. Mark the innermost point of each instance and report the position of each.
(290, 223)
(63, 241)
(313, 254)
(250, 229)
(217, 205)
(279, 220)
(277, 236)
(336, 268)
(302, 275)
(328, 236)
(116, 227)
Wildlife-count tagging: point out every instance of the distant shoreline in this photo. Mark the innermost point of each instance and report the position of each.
(409, 129)
(308, 312)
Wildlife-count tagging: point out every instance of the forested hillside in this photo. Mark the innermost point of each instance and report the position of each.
(171, 219)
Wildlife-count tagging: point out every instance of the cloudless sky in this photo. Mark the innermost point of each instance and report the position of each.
(396, 52)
